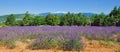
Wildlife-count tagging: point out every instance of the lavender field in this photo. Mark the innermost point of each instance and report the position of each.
(9, 33)
(65, 37)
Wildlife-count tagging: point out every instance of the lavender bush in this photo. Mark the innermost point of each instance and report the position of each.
(66, 37)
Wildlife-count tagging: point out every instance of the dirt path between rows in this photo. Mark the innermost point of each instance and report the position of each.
(91, 46)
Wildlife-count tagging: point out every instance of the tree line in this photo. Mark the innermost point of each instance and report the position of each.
(69, 19)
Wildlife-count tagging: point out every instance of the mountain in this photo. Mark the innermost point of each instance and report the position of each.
(20, 16)
(88, 14)
(47, 13)
(60, 14)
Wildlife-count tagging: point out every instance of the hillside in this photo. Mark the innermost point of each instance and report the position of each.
(20, 16)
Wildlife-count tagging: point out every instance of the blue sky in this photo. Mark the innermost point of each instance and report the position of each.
(40, 6)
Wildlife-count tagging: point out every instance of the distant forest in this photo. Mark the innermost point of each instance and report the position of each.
(69, 19)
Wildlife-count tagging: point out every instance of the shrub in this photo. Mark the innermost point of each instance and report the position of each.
(107, 43)
(95, 37)
(72, 45)
(34, 46)
(46, 44)
(117, 50)
(32, 36)
(2, 42)
(11, 44)
(111, 39)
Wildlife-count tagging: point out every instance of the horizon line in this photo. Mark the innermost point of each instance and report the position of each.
(65, 12)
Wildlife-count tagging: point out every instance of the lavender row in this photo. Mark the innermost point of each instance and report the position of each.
(68, 31)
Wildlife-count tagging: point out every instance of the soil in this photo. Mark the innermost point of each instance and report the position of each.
(95, 46)
(91, 46)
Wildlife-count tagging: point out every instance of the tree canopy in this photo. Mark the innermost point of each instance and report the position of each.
(69, 19)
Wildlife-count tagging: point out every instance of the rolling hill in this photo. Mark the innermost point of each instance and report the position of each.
(20, 16)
